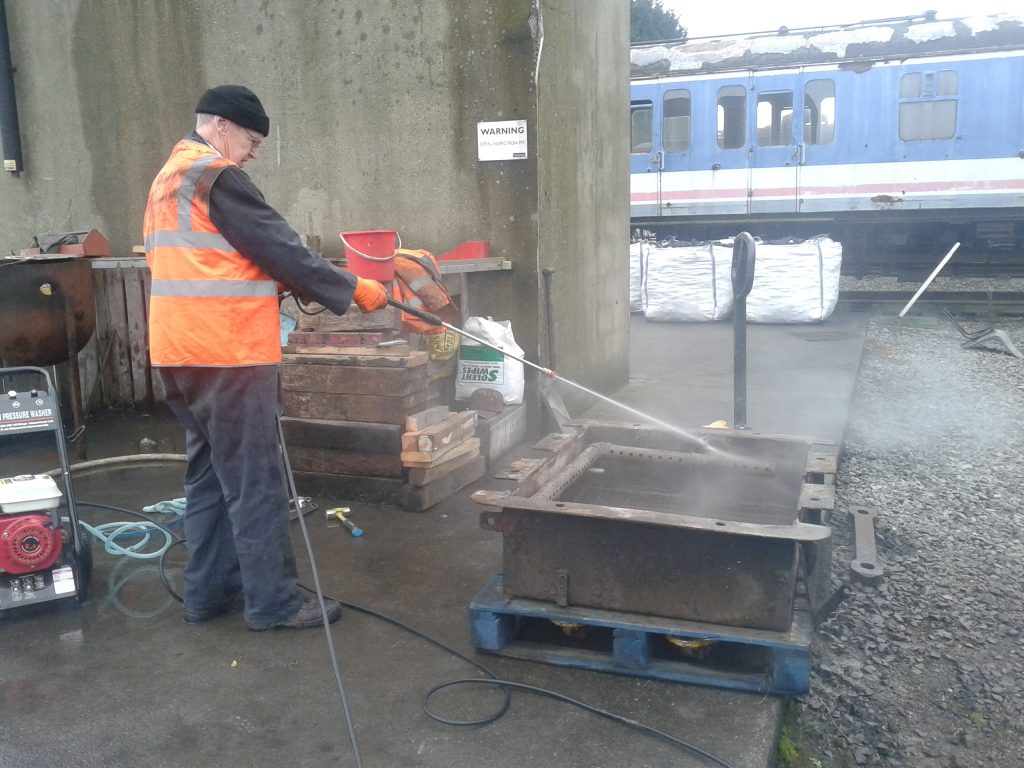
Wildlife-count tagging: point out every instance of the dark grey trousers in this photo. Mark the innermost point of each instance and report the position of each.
(236, 523)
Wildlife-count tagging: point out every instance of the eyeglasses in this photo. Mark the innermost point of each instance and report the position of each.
(256, 143)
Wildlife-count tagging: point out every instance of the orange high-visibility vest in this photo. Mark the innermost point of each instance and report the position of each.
(209, 305)
(418, 283)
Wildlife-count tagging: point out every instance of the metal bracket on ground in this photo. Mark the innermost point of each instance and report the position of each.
(974, 339)
(865, 567)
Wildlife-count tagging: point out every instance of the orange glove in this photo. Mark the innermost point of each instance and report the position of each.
(369, 295)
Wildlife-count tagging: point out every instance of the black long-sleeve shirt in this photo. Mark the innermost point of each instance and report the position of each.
(258, 232)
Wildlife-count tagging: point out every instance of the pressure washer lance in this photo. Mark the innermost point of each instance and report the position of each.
(435, 320)
(339, 513)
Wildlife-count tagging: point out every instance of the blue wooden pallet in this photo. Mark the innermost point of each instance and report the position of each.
(636, 644)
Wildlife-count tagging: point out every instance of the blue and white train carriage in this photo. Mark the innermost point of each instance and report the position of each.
(890, 133)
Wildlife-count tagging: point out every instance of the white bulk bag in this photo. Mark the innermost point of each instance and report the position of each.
(795, 283)
(636, 272)
(691, 282)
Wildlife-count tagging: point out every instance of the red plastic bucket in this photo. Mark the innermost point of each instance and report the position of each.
(371, 254)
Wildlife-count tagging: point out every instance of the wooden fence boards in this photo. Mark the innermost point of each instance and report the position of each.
(117, 334)
(114, 365)
(136, 338)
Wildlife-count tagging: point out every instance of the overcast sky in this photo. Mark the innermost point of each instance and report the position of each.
(716, 18)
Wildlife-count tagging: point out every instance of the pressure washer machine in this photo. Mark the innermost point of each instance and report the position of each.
(45, 553)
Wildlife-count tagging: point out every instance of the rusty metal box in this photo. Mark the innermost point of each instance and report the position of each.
(709, 535)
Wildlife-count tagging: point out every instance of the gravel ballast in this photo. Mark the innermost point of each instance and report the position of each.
(926, 669)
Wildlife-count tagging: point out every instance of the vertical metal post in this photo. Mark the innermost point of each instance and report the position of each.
(549, 312)
(9, 128)
(743, 252)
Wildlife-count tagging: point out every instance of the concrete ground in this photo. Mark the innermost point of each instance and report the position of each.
(122, 681)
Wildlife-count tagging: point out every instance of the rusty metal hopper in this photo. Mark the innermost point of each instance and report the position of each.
(631, 519)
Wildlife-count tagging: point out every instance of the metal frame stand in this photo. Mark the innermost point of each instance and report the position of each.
(37, 409)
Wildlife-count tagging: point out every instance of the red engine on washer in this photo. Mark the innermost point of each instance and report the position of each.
(28, 543)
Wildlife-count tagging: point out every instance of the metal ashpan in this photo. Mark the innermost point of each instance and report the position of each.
(625, 518)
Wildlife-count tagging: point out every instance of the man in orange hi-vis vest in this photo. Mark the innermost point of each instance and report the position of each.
(218, 255)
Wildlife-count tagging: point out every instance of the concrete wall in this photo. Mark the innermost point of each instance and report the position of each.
(373, 107)
(584, 206)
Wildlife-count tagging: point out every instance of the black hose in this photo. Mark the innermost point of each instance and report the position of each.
(507, 685)
(491, 678)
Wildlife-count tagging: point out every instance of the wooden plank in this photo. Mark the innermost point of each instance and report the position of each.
(418, 498)
(353, 320)
(375, 490)
(120, 363)
(424, 475)
(102, 337)
(138, 352)
(341, 338)
(343, 435)
(440, 436)
(335, 407)
(327, 460)
(353, 380)
(328, 349)
(425, 460)
(411, 360)
(158, 387)
(88, 367)
(89, 361)
(417, 421)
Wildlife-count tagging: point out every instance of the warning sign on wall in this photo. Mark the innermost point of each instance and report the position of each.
(503, 140)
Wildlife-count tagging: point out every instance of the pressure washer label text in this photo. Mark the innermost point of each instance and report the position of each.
(501, 140)
(26, 420)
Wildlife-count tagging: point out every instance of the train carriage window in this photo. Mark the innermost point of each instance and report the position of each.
(641, 127)
(775, 119)
(675, 122)
(946, 83)
(819, 111)
(928, 105)
(732, 116)
(910, 85)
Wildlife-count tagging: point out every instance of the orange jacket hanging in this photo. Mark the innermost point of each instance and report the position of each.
(209, 305)
(418, 283)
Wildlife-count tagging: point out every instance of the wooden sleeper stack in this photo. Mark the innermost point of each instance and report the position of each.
(441, 454)
(346, 393)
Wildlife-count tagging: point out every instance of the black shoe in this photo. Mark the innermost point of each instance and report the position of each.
(307, 616)
(199, 615)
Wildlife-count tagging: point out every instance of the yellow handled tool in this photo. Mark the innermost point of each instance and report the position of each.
(339, 513)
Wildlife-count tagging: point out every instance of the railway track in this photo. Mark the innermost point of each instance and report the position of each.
(977, 303)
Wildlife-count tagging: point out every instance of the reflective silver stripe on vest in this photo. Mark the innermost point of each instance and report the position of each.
(168, 238)
(187, 191)
(421, 282)
(214, 288)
